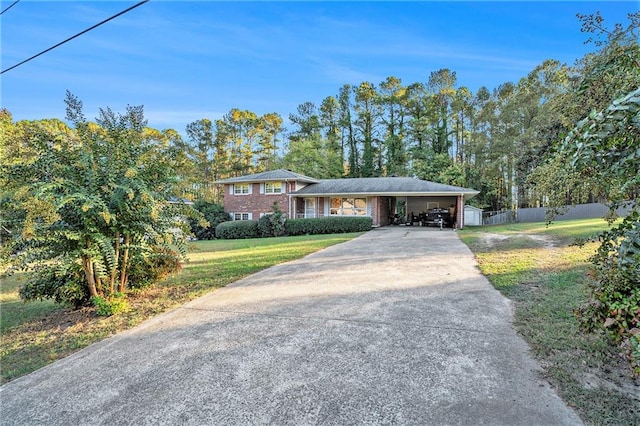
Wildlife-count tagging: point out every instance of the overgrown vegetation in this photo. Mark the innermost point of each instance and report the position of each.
(94, 206)
(546, 276)
(38, 333)
(214, 214)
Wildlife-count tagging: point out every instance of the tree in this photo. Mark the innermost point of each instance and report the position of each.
(441, 84)
(314, 157)
(603, 147)
(330, 121)
(96, 202)
(368, 113)
(393, 99)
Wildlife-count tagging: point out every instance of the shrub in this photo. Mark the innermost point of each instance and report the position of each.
(237, 229)
(272, 225)
(214, 214)
(62, 281)
(151, 267)
(614, 303)
(106, 307)
(327, 225)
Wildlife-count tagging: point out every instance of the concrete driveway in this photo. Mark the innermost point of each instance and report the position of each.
(395, 327)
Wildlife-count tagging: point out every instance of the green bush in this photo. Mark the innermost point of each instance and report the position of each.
(614, 299)
(327, 225)
(62, 281)
(148, 268)
(272, 225)
(237, 229)
(110, 306)
(214, 214)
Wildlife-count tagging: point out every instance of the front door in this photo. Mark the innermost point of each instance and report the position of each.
(309, 207)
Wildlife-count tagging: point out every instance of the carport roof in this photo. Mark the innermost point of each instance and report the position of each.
(389, 186)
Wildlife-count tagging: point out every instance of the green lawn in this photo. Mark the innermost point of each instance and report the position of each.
(37, 333)
(546, 277)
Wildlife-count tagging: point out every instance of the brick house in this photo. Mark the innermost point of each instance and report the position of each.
(298, 196)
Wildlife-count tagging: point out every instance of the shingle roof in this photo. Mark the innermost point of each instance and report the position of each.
(272, 175)
(382, 186)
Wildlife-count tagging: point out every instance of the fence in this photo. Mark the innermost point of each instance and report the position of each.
(579, 211)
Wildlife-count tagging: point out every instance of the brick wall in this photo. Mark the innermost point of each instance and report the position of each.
(255, 203)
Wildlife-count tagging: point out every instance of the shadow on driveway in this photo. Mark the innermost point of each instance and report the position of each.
(397, 326)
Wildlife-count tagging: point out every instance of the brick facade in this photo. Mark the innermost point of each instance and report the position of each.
(255, 203)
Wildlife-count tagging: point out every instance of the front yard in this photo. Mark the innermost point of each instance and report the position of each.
(38, 333)
(545, 276)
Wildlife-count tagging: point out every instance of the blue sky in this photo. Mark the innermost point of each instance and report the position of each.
(185, 61)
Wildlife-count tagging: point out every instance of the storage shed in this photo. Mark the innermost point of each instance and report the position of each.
(472, 216)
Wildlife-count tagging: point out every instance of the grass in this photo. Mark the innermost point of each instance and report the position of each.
(545, 276)
(35, 334)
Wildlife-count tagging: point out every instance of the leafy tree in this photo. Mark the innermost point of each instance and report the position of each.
(347, 132)
(441, 84)
(368, 113)
(393, 101)
(330, 121)
(604, 148)
(314, 157)
(96, 203)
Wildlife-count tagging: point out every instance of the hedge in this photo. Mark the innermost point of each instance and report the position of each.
(327, 225)
(237, 229)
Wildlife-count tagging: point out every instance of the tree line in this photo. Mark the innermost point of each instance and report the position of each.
(490, 140)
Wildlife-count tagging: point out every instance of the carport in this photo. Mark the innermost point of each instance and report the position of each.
(382, 198)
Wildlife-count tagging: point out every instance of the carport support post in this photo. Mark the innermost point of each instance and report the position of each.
(460, 212)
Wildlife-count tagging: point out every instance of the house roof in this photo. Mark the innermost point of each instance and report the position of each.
(272, 175)
(391, 186)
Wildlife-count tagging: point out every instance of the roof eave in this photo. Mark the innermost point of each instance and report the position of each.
(391, 194)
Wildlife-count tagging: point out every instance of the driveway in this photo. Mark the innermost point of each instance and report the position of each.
(397, 326)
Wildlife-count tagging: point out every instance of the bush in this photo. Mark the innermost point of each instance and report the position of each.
(327, 225)
(614, 303)
(110, 306)
(237, 229)
(214, 214)
(151, 267)
(62, 281)
(272, 225)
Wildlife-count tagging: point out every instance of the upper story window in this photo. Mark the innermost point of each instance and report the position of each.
(273, 188)
(241, 188)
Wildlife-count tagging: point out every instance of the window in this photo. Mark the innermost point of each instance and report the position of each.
(241, 188)
(242, 216)
(273, 188)
(348, 206)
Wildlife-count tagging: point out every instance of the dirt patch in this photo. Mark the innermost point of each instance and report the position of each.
(491, 240)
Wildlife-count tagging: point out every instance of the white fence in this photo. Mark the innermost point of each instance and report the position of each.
(579, 211)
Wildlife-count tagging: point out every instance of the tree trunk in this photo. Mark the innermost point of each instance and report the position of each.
(124, 264)
(87, 267)
(114, 270)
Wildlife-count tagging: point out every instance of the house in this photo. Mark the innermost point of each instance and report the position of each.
(381, 198)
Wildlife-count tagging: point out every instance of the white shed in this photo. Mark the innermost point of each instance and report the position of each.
(472, 216)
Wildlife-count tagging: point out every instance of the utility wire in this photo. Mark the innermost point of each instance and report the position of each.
(77, 35)
(9, 7)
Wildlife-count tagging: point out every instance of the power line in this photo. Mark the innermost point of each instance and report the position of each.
(77, 35)
(9, 7)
